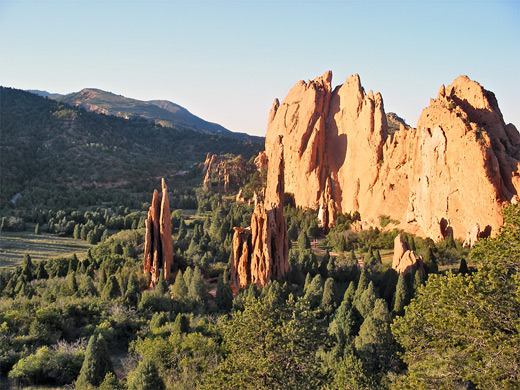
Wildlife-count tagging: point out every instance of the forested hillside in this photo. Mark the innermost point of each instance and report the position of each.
(55, 155)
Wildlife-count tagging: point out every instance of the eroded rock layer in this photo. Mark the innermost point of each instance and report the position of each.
(158, 245)
(458, 168)
(261, 252)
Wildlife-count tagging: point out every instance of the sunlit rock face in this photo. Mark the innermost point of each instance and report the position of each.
(158, 245)
(261, 252)
(458, 168)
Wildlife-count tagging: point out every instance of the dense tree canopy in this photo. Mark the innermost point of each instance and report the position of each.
(466, 328)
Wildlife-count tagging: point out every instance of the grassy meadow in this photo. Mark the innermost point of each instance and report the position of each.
(14, 245)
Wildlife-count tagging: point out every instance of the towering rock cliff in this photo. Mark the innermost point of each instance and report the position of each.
(261, 252)
(158, 246)
(458, 168)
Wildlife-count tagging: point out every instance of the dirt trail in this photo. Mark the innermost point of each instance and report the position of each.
(314, 246)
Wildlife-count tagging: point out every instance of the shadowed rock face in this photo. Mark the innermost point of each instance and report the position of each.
(158, 245)
(458, 168)
(261, 252)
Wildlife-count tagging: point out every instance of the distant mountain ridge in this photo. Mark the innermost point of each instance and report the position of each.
(162, 112)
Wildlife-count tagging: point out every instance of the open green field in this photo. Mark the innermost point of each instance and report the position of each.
(13, 246)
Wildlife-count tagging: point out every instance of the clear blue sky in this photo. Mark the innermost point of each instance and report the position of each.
(226, 61)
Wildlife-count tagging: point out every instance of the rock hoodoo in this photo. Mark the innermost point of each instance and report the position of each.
(261, 252)
(405, 259)
(158, 245)
(461, 164)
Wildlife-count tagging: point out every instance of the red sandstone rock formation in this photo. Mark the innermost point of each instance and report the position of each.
(206, 170)
(461, 164)
(261, 252)
(261, 160)
(405, 259)
(221, 173)
(158, 246)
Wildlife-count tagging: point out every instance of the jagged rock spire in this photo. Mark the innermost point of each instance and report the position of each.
(261, 252)
(158, 245)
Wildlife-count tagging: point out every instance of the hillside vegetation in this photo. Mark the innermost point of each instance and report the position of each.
(55, 155)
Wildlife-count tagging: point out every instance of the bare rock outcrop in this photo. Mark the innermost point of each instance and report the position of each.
(404, 259)
(476, 234)
(207, 168)
(158, 245)
(261, 160)
(461, 164)
(222, 173)
(261, 252)
(472, 236)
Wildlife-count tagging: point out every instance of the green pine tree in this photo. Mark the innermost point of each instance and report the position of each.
(96, 364)
(72, 284)
(412, 244)
(146, 377)
(158, 319)
(463, 268)
(331, 264)
(365, 302)
(362, 283)
(374, 343)
(179, 289)
(402, 296)
(188, 274)
(132, 290)
(27, 267)
(102, 278)
(308, 280)
(430, 262)
(161, 286)
(181, 324)
(417, 282)
(73, 264)
(343, 321)
(111, 289)
(352, 260)
(314, 292)
(303, 241)
(41, 272)
(77, 231)
(110, 383)
(390, 281)
(377, 256)
(197, 289)
(224, 294)
(328, 300)
(117, 249)
(37, 229)
(91, 238)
